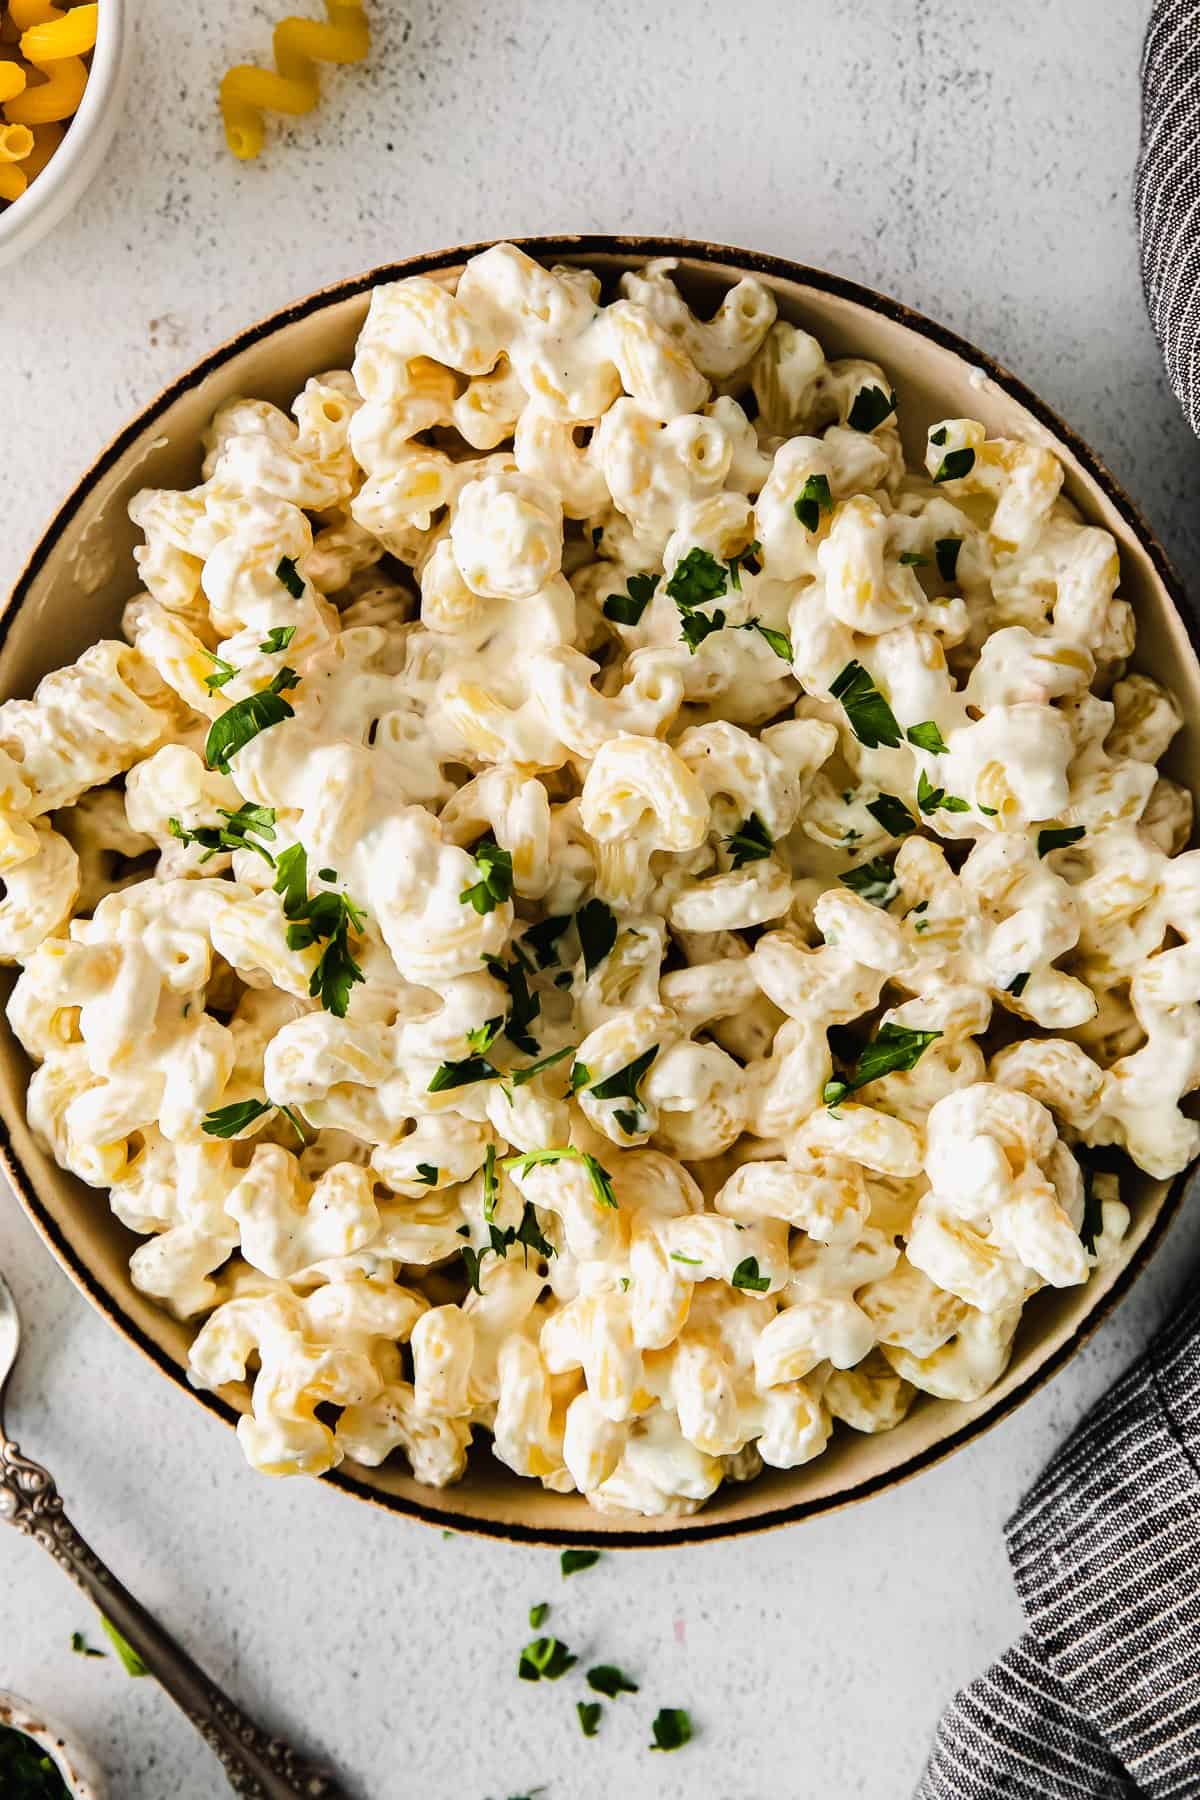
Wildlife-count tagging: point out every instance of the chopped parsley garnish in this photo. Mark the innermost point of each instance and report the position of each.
(623, 1086)
(573, 1562)
(581, 1076)
(931, 799)
(672, 1728)
(938, 436)
(678, 1256)
(473, 1263)
(892, 814)
(697, 579)
(589, 1716)
(927, 737)
(746, 1276)
(523, 1006)
(597, 1174)
(239, 829)
(545, 1659)
(871, 407)
(132, 1662)
(747, 559)
(874, 881)
(495, 877)
(913, 559)
(871, 718)
(287, 572)
(893, 1048)
(694, 627)
(1057, 837)
(233, 730)
(1018, 984)
(991, 811)
(277, 639)
(627, 608)
(462, 1073)
(528, 1234)
(491, 1187)
(779, 641)
(814, 499)
(537, 1615)
(597, 927)
(519, 1077)
(228, 1121)
(427, 1173)
(946, 550)
(955, 464)
(223, 672)
(610, 1681)
(480, 1038)
(751, 842)
(324, 918)
(81, 1647)
(542, 938)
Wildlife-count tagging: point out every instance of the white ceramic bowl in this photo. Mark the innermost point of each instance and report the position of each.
(77, 1768)
(68, 174)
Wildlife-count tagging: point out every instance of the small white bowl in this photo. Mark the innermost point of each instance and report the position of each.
(66, 177)
(80, 1772)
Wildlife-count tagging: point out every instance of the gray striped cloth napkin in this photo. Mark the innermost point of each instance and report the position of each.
(1100, 1699)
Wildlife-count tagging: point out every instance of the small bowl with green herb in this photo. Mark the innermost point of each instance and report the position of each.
(40, 1759)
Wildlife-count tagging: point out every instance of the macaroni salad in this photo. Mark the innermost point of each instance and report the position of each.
(594, 905)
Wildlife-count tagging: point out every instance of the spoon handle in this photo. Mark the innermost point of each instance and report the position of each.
(256, 1764)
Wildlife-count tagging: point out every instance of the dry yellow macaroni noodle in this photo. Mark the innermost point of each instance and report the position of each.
(43, 74)
(595, 907)
(291, 87)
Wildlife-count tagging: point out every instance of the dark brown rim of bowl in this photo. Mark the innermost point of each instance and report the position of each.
(753, 262)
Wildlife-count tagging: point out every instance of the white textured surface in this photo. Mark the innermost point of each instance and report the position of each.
(977, 163)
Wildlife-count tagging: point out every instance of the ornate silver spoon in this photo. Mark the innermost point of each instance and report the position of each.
(255, 1763)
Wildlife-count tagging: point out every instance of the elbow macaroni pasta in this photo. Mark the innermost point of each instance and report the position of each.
(291, 86)
(737, 912)
(43, 73)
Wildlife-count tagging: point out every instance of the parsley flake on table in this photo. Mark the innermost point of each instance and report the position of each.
(672, 1728)
(545, 1659)
(871, 718)
(81, 1647)
(238, 832)
(596, 924)
(495, 877)
(130, 1659)
(874, 881)
(589, 1716)
(287, 572)
(892, 814)
(814, 499)
(1058, 837)
(231, 731)
(573, 1562)
(747, 1277)
(610, 1681)
(751, 842)
(872, 405)
(627, 608)
(893, 1048)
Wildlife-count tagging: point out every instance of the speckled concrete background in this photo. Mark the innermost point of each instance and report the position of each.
(977, 163)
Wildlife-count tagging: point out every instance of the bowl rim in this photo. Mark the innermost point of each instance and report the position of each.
(89, 120)
(632, 247)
